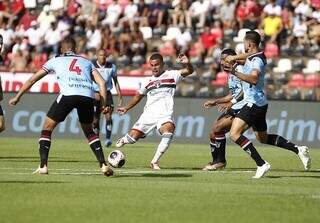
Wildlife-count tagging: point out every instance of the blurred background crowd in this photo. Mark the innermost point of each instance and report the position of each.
(130, 30)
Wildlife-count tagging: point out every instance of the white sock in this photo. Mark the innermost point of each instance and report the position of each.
(127, 139)
(162, 147)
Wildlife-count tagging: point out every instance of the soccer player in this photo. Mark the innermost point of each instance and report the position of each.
(2, 122)
(74, 74)
(109, 72)
(253, 114)
(158, 111)
(223, 124)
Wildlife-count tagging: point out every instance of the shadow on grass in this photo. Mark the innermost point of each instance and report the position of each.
(300, 176)
(175, 175)
(30, 182)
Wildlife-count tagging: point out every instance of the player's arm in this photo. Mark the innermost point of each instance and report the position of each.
(187, 66)
(226, 99)
(27, 85)
(135, 100)
(102, 88)
(238, 57)
(117, 85)
(252, 78)
(1, 92)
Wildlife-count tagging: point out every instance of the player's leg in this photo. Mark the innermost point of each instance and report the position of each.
(279, 141)
(166, 130)
(108, 117)
(236, 134)
(85, 111)
(97, 112)
(218, 142)
(2, 122)
(57, 113)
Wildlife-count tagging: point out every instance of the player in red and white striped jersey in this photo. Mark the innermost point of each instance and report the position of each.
(158, 111)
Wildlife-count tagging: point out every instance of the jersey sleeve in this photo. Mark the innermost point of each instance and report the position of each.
(257, 64)
(143, 87)
(176, 74)
(49, 65)
(114, 70)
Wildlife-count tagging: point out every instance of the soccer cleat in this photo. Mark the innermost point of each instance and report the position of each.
(108, 143)
(155, 166)
(106, 170)
(304, 156)
(262, 170)
(120, 143)
(214, 166)
(43, 170)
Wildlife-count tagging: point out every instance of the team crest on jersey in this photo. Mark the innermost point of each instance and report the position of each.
(157, 83)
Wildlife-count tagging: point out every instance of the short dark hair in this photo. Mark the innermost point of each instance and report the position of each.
(228, 51)
(70, 42)
(253, 36)
(156, 56)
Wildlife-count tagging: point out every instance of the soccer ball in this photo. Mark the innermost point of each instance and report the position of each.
(116, 158)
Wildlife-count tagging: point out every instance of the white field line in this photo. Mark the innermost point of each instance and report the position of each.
(117, 171)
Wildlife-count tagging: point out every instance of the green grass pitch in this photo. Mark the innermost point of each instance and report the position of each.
(75, 191)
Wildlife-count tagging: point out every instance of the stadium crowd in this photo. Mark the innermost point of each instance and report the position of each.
(129, 30)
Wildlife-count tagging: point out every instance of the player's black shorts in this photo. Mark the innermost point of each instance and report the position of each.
(254, 116)
(97, 105)
(229, 113)
(1, 111)
(63, 105)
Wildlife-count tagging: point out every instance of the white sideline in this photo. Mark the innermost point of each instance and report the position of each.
(118, 171)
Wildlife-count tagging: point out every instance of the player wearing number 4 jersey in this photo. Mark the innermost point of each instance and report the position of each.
(158, 111)
(74, 76)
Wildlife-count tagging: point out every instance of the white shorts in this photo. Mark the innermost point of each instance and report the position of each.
(146, 124)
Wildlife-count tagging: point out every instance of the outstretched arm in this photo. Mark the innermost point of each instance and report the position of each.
(135, 100)
(252, 78)
(116, 83)
(188, 68)
(27, 85)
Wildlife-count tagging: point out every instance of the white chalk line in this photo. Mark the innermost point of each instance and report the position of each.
(117, 171)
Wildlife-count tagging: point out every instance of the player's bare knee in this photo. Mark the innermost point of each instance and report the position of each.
(2, 127)
(234, 135)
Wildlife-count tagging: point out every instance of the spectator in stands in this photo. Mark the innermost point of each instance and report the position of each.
(227, 14)
(27, 18)
(271, 9)
(93, 35)
(299, 33)
(180, 15)
(45, 18)
(113, 14)
(143, 11)
(129, 15)
(52, 39)
(156, 14)
(18, 62)
(35, 36)
(8, 34)
(271, 26)
(199, 11)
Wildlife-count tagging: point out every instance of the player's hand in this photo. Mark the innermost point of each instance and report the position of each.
(210, 103)
(13, 101)
(230, 59)
(182, 58)
(106, 109)
(224, 106)
(122, 110)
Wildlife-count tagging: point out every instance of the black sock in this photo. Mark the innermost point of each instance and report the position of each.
(96, 147)
(44, 147)
(108, 129)
(221, 144)
(279, 141)
(214, 150)
(247, 146)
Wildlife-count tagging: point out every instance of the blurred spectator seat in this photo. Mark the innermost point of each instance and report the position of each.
(312, 81)
(313, 66)
(203, 92)
(241, 34)
(298, 64)
(295, 94)
(171, 34)
(271, 50)
(284, 65)
(146, 32)
(280, 94)
(310, 95)
(297, 80)
(221, 81)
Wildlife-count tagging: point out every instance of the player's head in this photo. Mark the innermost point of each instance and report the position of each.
(68, 44)
(224, 53)
(156, 63)
(101, 56)
(252, 40)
